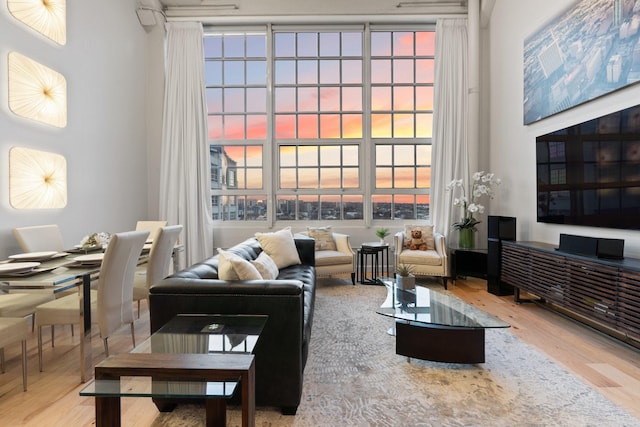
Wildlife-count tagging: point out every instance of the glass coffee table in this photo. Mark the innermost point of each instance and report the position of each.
(436, 326)
(191, 357)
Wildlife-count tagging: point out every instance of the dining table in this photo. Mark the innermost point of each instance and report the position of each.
(58, 274)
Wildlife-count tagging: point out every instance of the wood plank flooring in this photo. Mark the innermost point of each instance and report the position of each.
(52, 398)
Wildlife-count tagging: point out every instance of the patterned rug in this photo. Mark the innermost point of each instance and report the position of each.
(354, 378)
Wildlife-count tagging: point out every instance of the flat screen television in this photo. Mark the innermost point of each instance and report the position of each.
(589, 173)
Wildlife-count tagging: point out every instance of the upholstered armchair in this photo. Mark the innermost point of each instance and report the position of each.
(334, 254)
(427, 255)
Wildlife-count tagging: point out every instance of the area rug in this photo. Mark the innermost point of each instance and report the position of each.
(354, 378)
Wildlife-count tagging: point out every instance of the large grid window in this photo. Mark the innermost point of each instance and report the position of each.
(318, 122)
(236, 93)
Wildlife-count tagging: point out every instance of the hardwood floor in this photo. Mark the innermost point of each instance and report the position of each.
(52, 398)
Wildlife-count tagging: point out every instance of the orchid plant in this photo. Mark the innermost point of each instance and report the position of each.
(482, 184)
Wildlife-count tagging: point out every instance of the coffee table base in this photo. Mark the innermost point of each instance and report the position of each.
(440, 343)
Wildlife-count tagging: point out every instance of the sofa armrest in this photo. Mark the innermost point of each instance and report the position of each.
(306, 250)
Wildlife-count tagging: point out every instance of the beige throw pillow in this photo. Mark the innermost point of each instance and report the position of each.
(280, 247)
(234, 267)
(323, 237)
(266, 266)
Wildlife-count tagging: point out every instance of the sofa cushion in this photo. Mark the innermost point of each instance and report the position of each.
(428, 257)
(332, 258)
(280, 247)
(233, 267)
(323, 237)
(266, 266)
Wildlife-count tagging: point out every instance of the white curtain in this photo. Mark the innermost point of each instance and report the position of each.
(450, 119)
(185, 184)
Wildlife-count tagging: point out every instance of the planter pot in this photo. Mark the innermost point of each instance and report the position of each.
(467, 238)
(406, 282)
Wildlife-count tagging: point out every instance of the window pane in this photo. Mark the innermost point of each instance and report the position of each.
(234, 127)
(329, 44)
(214, 125)
(214, 100)
(285, 207)
(284, 44)
(288, 155)
(423, 177)
(308, 156)
(329, 99)
(381, 206)
(403, 98)
(350, 156)
(403, 71)
(381, 98)
(380, 43)
(308, 126)
(352, 207)
(233, 100)
(329, 71)
(329, 126)
(256, 72)
(383, 177)
(307, 44)
(285, 98)
(381, 125)
(285, 126)
(257, 100)
(233, 73)
(288, 178)
(384, 155)
(403, 207)
(233, 46)
(308, 208)
(352, 44)
(404, 177)
(330, 155)
(285, 72)
(424, 98)
(424, 125)
(352, 71)
(350, 177)
(425, 71)
(352, 98)
(330, 178)
(308, 99)
(422, 206)
(426, 43)
(256, 45)
(308, 178)
(402, 44)
(213, 73)
(423, 154)
(403, 125)
(380, 71)
(403, 155)
(257, 126)
(352, 126)
(307, 72)
(330, 207)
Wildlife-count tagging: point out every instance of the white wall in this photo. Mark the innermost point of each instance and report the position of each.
(512, 145)
(104, 141)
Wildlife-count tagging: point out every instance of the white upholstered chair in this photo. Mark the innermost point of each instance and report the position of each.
(153, 227)
(334, 254)
(431, 262)
(158, 263)
(112, 302)
(12, 330)
(39, 238)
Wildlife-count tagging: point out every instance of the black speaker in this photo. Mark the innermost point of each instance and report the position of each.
(579, 245)
(499, 228)
(610, 248)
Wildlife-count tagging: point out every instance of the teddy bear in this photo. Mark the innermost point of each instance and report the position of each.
(417, 242)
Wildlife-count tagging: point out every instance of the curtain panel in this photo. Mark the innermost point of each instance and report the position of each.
(185, 183)
(450, 118)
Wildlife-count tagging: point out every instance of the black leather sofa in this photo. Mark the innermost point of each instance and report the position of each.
(281, 352)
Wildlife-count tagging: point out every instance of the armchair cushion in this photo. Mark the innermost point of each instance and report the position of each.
(428, 257)
(323, 237)
(427, 235)
(332, 258)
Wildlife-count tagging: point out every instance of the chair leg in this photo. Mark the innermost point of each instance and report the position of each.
(2, 359)
(353, 278)
(40, 347)
(24, 365)
(133, 335)
(106, 347)
(52, 336)
(138, 309)
(72, 330)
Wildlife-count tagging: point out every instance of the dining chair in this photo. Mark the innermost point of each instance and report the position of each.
(111, 302)
(153, 227)
(158, 263)
(39, 238)
(14, 329)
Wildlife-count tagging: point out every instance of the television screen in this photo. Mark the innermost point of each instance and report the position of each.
(589, 173)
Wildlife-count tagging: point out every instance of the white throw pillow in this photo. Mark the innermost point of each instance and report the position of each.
(266, 266)
(280, 247)
(234, 267)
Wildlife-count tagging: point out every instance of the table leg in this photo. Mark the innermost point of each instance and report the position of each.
(216, 412)
(86, 356)
(248, 383)
(108, 412)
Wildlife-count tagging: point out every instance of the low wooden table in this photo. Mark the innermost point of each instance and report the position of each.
(191, 357)
(186, 367)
